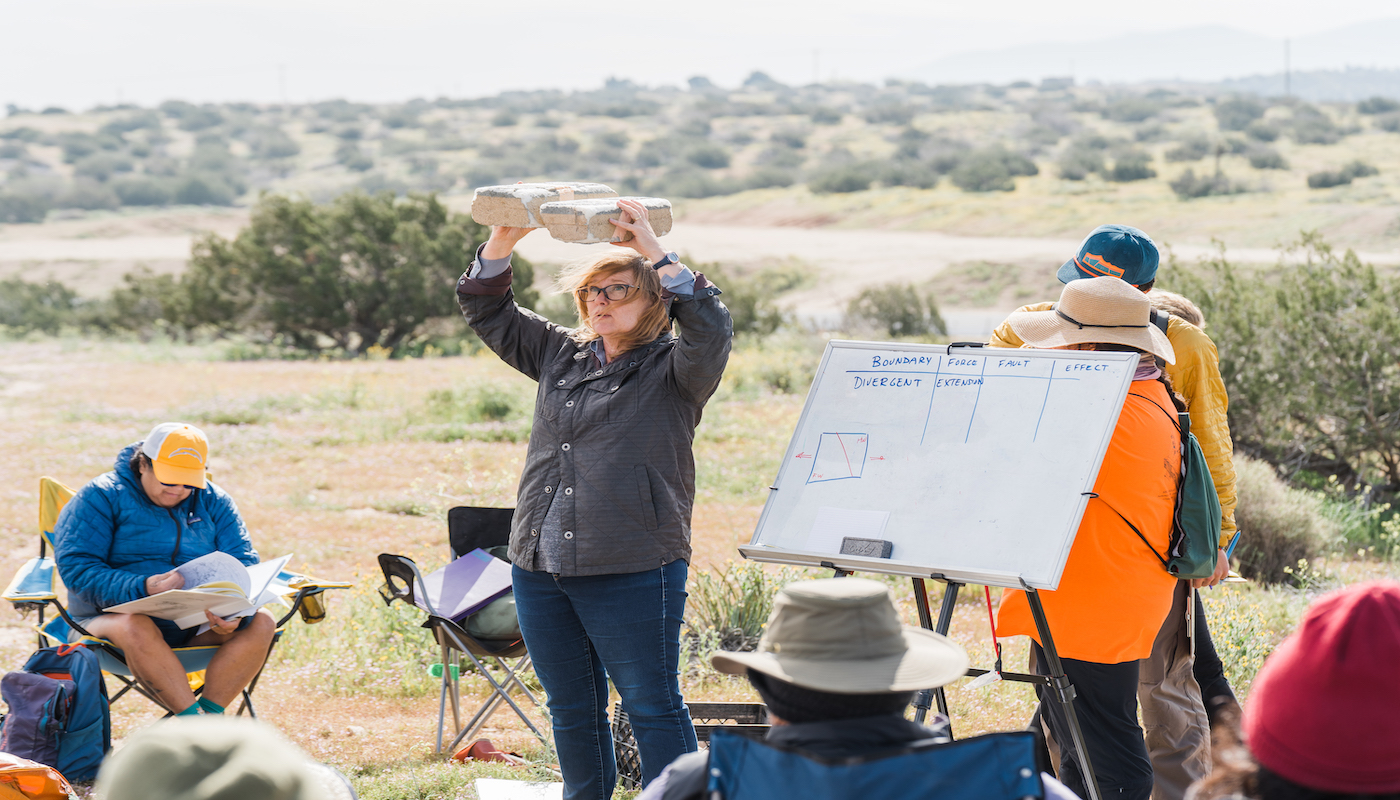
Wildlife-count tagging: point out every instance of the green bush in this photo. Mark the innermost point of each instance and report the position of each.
(991, 170)
(1267, 158)
(1188, 186)
(1131, 164)
(1308, 351)
(842, 179)
(1377, 105)
(101, 166)
(139, 190)
(1237, 113)
(734, 603)
(708, 156)
(898, 309)
(203, 190)
(23, 207)
(1313, 126)
(1281, 525)
(88, 195)
(44, 307)
(1262, 130)
(1077, 163)
(1341, 177)
(1131, 109)
(1192, 148)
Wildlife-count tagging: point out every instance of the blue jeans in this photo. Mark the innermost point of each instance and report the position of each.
(580, 632)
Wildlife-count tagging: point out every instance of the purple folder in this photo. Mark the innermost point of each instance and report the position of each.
(467, 585)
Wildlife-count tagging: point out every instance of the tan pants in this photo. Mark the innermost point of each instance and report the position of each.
(1173, 717)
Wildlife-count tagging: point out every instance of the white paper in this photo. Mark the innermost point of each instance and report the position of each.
(496, 789)
(260, 577)
(216, 567)
(834, 524)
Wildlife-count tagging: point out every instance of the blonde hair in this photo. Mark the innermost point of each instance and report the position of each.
(1178, 306)
(653, 321)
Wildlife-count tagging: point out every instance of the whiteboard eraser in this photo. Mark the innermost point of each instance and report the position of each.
(869, 548)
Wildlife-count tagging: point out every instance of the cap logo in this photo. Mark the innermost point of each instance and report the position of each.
(185, 451)
(1098, 265)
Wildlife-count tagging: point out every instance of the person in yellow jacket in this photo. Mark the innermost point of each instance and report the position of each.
(1179, 694)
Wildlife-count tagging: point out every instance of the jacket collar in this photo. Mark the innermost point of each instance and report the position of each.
(869, 733)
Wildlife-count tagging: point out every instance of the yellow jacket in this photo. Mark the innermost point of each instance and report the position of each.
(1196, 377)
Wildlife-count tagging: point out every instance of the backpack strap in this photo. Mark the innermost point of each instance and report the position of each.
(1161, 318)
(1135, 530)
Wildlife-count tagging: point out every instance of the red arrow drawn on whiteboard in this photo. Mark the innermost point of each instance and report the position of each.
(803, 455)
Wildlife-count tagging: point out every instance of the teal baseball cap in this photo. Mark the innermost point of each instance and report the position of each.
(1117, 251)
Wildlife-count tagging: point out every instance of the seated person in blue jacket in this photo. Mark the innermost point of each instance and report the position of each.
(121, 537)
(837, 670)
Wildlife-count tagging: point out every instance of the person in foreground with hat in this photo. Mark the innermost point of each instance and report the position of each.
(1323, 717)
(216, 758)
(1114, 593)
(1181, 695)
(120, 539)
(837, 671)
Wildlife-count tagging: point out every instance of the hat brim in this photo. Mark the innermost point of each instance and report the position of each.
(1069, 271)
(930, 660)
(1046, 329)
(171, 474)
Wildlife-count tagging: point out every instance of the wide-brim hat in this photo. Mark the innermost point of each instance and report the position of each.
(843, 635)
(1095, 310)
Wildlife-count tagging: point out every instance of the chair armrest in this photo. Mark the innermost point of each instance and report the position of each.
(401, 580)
(33, 583)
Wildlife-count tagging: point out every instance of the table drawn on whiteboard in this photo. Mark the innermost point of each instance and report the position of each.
(839, 456)
(878, 377)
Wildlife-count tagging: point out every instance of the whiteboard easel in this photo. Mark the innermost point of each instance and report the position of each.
(974, 464)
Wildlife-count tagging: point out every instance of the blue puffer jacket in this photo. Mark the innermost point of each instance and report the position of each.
(110, 537)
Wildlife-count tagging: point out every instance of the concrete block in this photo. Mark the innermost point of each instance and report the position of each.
(518, 205)
(586, 221)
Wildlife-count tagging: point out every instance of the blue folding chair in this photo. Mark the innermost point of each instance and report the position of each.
(996, 766)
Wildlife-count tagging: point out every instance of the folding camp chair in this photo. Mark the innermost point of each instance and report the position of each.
(468, 528)
(34, 588)
(996, 766)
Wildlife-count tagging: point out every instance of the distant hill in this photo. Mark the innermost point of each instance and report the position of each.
(1198, 55)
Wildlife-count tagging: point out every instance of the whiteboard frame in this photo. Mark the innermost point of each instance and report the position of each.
(755, 551)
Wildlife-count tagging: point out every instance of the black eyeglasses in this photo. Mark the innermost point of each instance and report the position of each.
(618, 291)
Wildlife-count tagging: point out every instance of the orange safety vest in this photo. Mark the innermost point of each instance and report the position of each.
(1114, 594)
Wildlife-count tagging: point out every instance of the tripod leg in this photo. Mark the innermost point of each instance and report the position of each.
(945, 622)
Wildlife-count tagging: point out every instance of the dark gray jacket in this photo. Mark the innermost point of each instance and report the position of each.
(614, 443)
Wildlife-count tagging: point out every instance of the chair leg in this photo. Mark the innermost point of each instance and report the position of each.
(500, 692)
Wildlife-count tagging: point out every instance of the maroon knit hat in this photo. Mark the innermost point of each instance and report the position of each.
(1324, 712)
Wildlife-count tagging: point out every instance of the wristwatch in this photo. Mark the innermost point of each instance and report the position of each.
(666, 261)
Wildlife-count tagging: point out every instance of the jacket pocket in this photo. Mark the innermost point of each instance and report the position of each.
(644, 495)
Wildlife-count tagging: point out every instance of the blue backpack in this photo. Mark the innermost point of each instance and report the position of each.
(996, 766)
(58, 711)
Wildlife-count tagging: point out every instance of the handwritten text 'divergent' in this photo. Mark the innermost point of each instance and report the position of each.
(886, 382)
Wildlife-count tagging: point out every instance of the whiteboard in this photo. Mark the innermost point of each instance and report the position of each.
(975, 463)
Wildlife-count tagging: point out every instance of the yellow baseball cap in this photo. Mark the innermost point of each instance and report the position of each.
(179, 452)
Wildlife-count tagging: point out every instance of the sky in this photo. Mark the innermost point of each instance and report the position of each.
(80, 53)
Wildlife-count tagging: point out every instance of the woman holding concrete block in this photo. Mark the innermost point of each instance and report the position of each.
(601, 536)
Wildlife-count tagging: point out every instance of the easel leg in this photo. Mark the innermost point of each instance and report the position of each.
(1062, 692)
(945, 622)
(923, 699)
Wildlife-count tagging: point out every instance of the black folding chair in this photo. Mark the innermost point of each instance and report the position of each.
(468, 528)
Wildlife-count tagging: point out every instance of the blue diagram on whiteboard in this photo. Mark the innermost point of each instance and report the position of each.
(839, 457)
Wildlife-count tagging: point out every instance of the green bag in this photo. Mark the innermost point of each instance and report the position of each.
(1192, 551)
(497, 620)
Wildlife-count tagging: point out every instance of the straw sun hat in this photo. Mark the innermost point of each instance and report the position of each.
(1095, 310)
(843, 635)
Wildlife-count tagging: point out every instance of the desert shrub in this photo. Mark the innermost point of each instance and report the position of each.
(203, 190)
(355, 273)
(1187, 185)
(1267, 158)
(139, 190)
(272, 143)
(15, 150)
(23, 207)
(908, 172)
(734, 602)
(897, 309)
(45, 307)
(769, 177)
(1313, 126)
(200, 119)
(1281, 524)
(1389, 122)
(1131, 164)
(482, 402)
(1308, 352)
(88, 195)
(505, 118)
(101, 166)
(1377, 105)
(695, 183)
(1077, 163)
(1192, 148)
(991, 169)
(1262, 130)
(1236, 113)
(826, 115)
(146, 303)
(24, 133)
(1341, 177)
(751, 298)
(842, 178)
(889, 112)
(134, 121)
(1131, 109)
(708, 156)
